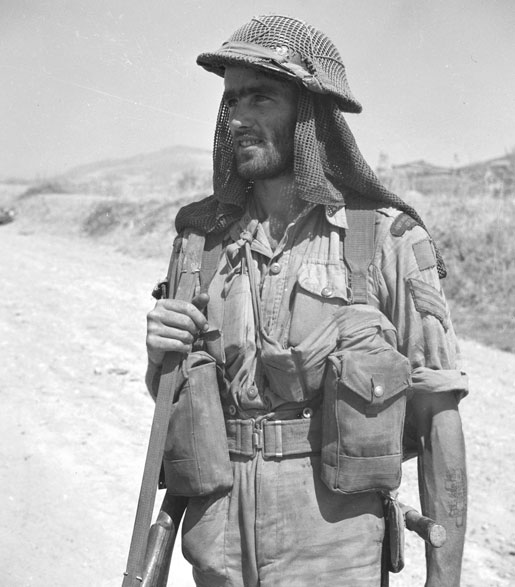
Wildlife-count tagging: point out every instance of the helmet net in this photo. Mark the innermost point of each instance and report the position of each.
(329, 168)
(295, 48)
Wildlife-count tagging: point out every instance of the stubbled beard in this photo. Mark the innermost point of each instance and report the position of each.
(270, 160)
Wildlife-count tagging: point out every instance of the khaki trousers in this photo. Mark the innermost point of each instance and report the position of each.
(280, 526)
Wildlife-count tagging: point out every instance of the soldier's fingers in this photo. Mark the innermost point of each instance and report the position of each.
(162, 331)
(200, 301)
(184, 309)
(157, 346)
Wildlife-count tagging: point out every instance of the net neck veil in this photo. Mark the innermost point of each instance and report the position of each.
(329, 168)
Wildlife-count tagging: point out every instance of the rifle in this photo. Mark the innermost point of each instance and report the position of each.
(161, 540)
(150, 546)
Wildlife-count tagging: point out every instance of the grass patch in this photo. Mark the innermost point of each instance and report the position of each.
(47, 187)
(104, 218)
(138, 228)
(475, 237)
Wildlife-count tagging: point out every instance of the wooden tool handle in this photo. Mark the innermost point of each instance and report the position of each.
(426, 528)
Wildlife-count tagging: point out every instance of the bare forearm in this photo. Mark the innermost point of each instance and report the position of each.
(443, 492)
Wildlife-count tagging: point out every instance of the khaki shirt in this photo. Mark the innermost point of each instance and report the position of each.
(301, 285)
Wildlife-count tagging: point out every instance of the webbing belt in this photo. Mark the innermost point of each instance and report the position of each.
(275, 438)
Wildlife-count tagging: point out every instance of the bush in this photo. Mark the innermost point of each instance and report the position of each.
(475, 237)
(101, 220)
(46, 187)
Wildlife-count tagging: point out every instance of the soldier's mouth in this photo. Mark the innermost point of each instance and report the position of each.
(247, 142)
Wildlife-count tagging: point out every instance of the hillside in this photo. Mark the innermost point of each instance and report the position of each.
(144, 175)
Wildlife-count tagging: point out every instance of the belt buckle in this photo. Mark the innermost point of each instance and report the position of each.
(259, 434)
(257, 438)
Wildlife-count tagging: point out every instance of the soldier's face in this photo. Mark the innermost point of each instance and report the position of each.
(262, 117)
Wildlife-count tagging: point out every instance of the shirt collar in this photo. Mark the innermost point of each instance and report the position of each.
(249, 224)
(336, 216)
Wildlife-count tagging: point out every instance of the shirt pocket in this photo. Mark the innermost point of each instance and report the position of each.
(320, 290)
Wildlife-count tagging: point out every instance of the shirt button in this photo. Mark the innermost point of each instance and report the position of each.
(252, 391)
(275, 268)
(378, 391)
(307, 413)
(232, 410)
(327, 292)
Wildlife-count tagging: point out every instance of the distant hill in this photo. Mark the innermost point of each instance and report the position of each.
(180, 171)
(494, 176)
(164, 163)
(156, 173)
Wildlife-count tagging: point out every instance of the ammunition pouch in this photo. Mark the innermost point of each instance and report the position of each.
(196, 457)
(296, 374)
(364, 405)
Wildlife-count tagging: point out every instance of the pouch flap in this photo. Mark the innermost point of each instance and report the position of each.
(357, 323)
(190, 362)
(377, 376)
(196, 359)
(328, 280)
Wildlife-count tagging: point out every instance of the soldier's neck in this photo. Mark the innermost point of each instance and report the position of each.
(277, 205)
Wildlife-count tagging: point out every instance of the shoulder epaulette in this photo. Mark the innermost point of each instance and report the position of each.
(402, 223)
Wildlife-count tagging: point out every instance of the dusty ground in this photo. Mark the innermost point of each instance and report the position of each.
(75, 419)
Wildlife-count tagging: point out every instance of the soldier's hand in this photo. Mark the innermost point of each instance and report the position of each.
(173, 325)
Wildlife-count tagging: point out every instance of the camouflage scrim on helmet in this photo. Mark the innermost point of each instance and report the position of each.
(287, 47)
(328, 167)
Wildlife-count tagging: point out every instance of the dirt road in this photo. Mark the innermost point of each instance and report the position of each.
(75, 420)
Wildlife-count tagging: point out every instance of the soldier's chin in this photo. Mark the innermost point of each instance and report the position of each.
(257, 168)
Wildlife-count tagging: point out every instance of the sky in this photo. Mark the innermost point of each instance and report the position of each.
(86, 80)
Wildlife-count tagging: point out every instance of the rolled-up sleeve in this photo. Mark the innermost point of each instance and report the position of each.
(408, 290)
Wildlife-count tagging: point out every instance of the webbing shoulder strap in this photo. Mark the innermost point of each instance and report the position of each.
(210, 260)
(193, 246)
(359, 249)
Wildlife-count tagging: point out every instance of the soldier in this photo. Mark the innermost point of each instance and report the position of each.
(317, 354)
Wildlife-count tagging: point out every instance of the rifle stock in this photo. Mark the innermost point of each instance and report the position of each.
(161, 541)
